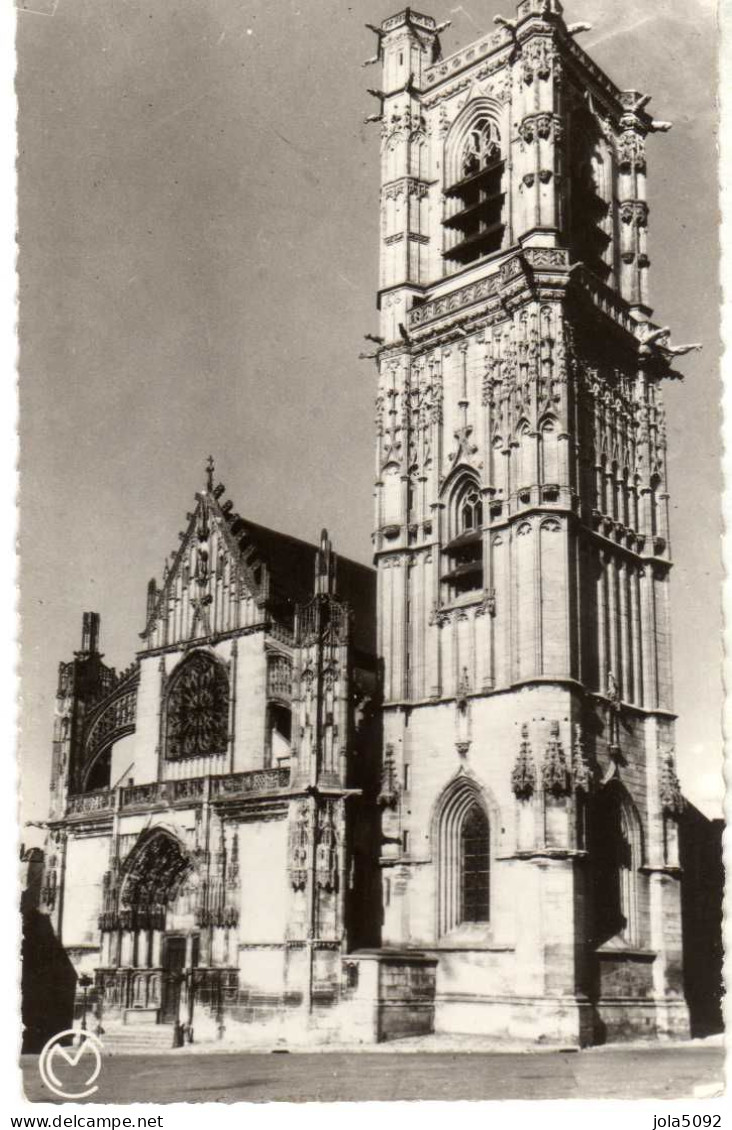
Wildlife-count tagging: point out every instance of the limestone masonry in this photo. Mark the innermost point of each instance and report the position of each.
(438, 795)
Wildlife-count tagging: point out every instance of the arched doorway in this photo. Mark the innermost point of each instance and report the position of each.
(149, 927)
(169, 927)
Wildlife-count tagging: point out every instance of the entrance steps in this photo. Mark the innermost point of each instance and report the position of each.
(130, 1038)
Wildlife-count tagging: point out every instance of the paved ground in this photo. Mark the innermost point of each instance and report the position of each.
(680, 1071)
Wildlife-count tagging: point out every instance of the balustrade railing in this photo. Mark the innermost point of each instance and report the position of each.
(101, 800)
(257, 780)
(134, 795)
(179, 792)
(280, 632)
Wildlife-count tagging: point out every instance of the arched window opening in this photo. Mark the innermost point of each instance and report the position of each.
(464, 858)
(197, 709)
(279, 734)
(475, 223)
(655, 506)
(464, 549)
(524, 460)
(475, 878)
(100, 772)
(549, 455)
(614, 851)
(616, 492)
(589, 241)
(626, 514)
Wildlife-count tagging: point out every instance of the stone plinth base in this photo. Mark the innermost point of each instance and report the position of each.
(630, 1019)
(542, 1020)
(387, 995)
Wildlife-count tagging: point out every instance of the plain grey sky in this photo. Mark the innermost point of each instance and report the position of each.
(198, 210)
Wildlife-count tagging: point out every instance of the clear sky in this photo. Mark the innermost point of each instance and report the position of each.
(198, 209)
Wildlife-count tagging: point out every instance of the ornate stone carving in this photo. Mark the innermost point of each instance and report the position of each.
(300, 847)
(463, 691)
(197, 709)
(326, 853)
(581, 770)
(389, 793)
(465, 449)
(555, 771)
(451, 303)
(546, 257)
(439, 616)
(631, 152)
(672, 799)
(537, 60)
(256, 780)
(88, 803)
(523, 774)
(112, 718)
(487, 605)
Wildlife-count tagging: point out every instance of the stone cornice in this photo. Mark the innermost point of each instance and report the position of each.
(206, 641)
(538, 681)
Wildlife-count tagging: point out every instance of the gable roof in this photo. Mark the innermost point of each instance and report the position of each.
(265, 572)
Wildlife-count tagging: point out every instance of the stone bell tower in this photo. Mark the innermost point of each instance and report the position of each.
(521, 537)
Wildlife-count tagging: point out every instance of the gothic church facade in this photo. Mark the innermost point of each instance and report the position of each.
(456, 807)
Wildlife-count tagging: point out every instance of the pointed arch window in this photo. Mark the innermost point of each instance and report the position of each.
(197, 713)
(475, 193)
(464, 858)
(615, 852)
(549, 454)
(475, 866)
(589, 167)
(464, 549)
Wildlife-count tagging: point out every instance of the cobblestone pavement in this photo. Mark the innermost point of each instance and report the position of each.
(693, 1070)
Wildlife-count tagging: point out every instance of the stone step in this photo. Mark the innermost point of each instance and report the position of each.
(130, 1038)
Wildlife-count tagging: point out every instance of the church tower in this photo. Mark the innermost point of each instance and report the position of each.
(530, 801)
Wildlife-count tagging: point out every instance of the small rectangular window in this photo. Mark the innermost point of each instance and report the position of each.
(406, 778)
(405, 842)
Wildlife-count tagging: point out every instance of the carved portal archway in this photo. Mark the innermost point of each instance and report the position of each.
(154, 875)
(167, 921)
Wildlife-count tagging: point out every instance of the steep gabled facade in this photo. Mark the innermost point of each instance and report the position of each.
(199, 856)
(522, 538)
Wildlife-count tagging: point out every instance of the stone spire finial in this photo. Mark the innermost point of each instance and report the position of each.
(210, 474)
(523, 775)
(581, 770)
(555, 771)
(672, 799)
(325, 566)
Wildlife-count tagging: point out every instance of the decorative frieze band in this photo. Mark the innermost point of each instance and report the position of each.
(450, 303)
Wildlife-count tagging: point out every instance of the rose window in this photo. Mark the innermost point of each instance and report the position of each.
(198, 709)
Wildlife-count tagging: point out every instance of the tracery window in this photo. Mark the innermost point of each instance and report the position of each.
(475, 197)
(197, 712)
(464, 548)
(475, 866)
(464, 851)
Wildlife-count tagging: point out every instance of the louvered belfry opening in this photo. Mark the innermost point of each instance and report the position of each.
(475, 220)
(464, 551)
